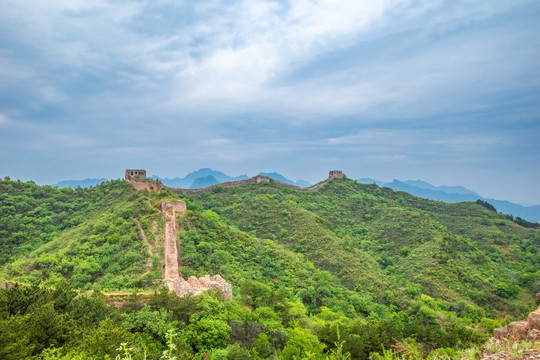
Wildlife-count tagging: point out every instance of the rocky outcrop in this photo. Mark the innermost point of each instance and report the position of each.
(501, 355)
(528, 329)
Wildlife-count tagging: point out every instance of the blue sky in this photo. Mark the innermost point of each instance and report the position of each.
(444, 91)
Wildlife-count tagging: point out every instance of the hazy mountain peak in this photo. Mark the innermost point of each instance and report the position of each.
(277, 176)
(82, 183)
(453, 194)
(204, 182)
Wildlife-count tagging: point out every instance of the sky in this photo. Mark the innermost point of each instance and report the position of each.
(447, 91)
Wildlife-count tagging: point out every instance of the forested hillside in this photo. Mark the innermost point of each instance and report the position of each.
(88, 236)
(371, 237)
(382, 265)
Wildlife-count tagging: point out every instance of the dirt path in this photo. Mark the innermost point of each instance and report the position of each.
(148, 247)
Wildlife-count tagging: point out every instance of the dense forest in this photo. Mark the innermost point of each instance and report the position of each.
(351, 270)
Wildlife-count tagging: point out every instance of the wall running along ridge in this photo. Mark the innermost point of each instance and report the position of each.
(151, 186)
(256, 179)
(146, 185)
(171, 276)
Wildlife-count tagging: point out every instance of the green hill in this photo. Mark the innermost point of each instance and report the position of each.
(382, 264)
(391, 244)
(88, 236)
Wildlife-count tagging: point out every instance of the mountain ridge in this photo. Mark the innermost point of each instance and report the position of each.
(448, 194)
(356, 254)
(451, 194)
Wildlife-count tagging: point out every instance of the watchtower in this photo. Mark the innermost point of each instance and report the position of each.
(335, 174)
(135, 174)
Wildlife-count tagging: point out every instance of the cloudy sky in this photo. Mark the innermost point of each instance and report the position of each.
(447, 91)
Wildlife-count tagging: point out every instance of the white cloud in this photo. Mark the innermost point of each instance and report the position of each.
(260, 44)
(232, 57)
(368, 136)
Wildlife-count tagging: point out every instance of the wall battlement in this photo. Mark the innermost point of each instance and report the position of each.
(335, 174)
(135, 174)
(136, 178)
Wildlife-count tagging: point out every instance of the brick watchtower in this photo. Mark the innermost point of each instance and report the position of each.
(135, 174)
(335, 174)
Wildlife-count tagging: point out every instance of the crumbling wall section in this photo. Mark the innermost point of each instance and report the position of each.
(528, 329)
(256, 179)
(146, 185)
(171, 275)
(196, 286)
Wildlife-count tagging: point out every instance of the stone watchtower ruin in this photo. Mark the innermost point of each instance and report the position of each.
(135, 174)
(335, 174)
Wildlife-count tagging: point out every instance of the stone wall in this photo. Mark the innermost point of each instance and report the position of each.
(196, 286)
(132, 175)
(335, 174)
(256, 179)
(146, 185)
(165, 206)
(172, 253)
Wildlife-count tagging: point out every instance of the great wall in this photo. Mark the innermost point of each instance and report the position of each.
(137, 178)
(171, 275)
(171, 252)
(334, 174)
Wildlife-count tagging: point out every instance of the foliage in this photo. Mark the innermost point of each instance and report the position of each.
(88, 236)
(338, 273)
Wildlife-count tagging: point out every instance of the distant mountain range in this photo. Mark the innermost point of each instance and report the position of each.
(453, 194)
(200, 178)
(194, 180)
(80, 183)
(206, 177)
(279, 177)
